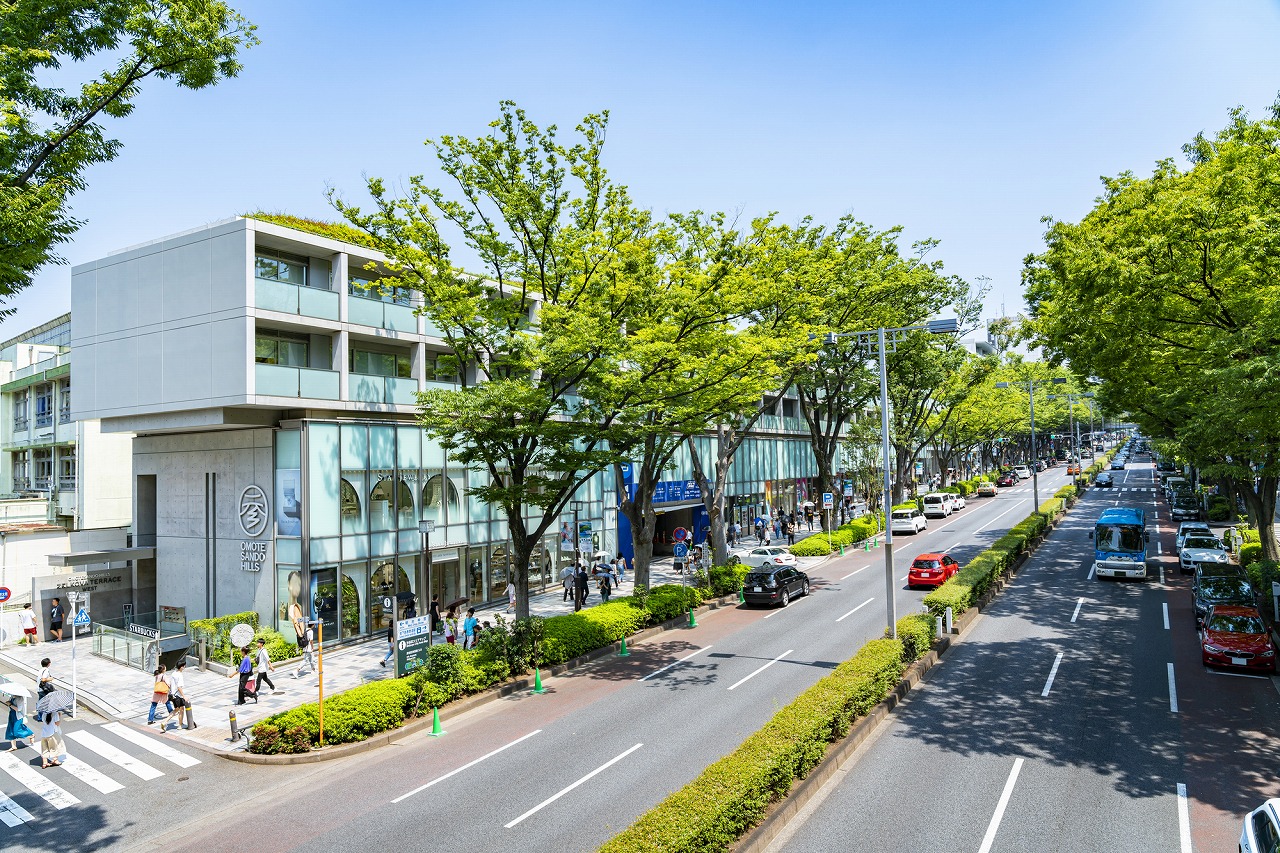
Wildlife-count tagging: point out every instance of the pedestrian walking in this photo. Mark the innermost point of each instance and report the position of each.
(27, 619)
(760, 531)
(178, 698)
(620, 565)
(790, 530)
(411, 609)
(15, 729)
(451, 625)
(308, 661)
(606, 587)
(566, 581)
(44, 681)
(580, 580)
(56, 615)
(469, 626)
(298, 621)
(264, 666)
(245, 671)
(51, 748)
(434, 612)
(511, 596)
(159, 694)
(391, 643)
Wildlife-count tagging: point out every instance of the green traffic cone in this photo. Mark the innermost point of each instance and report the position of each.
(693, 623)
(841, 550)
(537, 682)
(741, 597)
(622, 651)
(867, 547)
(436, 730)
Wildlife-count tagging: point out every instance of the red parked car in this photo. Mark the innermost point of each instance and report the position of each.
(931, 570)
(1234, 635)
(1008, 479)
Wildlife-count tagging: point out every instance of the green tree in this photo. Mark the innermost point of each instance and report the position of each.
(49, 137)
(1169, 291)
(569, 262)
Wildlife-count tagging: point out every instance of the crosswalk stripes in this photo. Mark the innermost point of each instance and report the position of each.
(116, 756)
(78, 776)
(152, 745)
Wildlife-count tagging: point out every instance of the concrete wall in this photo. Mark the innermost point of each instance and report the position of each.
(163, 326)
(198, 537)
(104, 474)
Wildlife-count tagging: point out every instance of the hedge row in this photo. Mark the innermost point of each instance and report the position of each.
(733, 794)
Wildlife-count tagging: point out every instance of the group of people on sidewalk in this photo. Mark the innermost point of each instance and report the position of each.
(31, 629)
(251, 678)
(608, 575)
(16, 729)
(169, 690)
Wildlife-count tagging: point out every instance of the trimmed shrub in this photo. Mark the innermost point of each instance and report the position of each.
(277, 646)
(1051, 508)
(1261, 574)
(732, 794)
(916, 633)
(573, 634)
(726, 580)
(351, 716)
(1066, 493)
(812, 546)
(216, 632)
(1250, 553)
(272, 740)
(665, 602)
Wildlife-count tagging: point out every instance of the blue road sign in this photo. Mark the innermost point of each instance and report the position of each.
(82, 618)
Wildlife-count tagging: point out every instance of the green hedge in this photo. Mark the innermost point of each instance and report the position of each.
(574, 634)
(1250, 553)
(812, 546)
(733, 794)
(1066, 493)
(1261, 574)
(216, 633)
(350, 716)
(727, 580)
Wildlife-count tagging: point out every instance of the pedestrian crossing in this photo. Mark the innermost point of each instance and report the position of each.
(1140, 489)
(98, 760)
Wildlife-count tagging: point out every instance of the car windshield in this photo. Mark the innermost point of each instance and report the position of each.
(1182, 501)
(926, 564)
(1235, 624)
(1119, 537)
(1202, 542)
(904, 514)
(759, 578)
(1222, 589)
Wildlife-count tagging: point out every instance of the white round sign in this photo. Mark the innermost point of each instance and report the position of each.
(241, 635)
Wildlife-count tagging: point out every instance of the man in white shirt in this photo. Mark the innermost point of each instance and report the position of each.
(264, 666)
(27, 619)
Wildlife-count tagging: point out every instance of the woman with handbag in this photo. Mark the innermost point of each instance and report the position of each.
(16, 729)
(51, 748)
(159, 694)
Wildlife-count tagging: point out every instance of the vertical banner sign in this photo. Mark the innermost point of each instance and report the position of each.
(412, 636)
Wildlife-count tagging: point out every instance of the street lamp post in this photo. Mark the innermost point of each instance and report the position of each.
(425, 526)
(1071, 413)
(1031, 398)
(879, 342)
(576, 506)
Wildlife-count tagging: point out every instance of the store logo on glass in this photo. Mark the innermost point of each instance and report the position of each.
(253, 511)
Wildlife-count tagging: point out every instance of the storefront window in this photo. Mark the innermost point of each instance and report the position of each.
(324, 598)
(323, 479)
(476, 579)
(355, 619)
(499, 571)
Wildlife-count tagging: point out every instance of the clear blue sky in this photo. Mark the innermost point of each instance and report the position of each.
(966, 122)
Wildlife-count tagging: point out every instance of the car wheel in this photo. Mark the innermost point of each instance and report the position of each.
(804, 590)
(785, 600)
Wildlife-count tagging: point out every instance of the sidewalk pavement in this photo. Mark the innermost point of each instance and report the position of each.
(120, 692)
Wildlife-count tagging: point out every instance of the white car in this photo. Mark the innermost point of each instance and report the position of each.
(760, 557)
(937, 505)
(1190, 528)
(958, 501)
(1261, 832)
(907, 521)
(1198, 550)
(1023, 472)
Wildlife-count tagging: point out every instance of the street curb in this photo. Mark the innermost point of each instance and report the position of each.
(781, 813)
(469, 703)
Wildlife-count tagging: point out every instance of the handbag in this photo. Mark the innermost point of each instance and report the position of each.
(251, 686)
(162, 686)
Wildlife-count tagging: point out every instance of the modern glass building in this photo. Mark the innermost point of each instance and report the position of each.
(276, 456)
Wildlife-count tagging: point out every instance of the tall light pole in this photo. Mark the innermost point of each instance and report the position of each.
(1031, 398)
(879, 342)
(576, 506)
(1071, 410)
(425, 526)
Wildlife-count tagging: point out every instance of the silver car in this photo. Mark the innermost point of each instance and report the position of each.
(1200, 550)
(1190, 528)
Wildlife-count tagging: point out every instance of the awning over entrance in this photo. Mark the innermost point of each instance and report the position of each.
(89, 558)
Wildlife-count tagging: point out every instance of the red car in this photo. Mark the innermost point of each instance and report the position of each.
(1009, 479)
(1234, 635)
(931, 570)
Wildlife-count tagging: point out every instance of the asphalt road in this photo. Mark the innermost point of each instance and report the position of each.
(1070, 719)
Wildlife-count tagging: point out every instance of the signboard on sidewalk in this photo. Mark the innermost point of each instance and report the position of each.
(413, 638)
(828, 500)
(4, 594)
(82, 618)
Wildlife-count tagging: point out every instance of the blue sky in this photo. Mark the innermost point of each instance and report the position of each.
(966, 122)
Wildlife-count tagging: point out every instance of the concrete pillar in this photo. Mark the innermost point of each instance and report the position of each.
(419, 368)
(341, 345)
(339, 266)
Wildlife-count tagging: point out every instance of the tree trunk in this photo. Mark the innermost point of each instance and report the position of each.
(713, 491)
(521, 552)
(1262, 506)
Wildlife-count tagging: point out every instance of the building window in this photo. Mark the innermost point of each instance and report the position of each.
(20, 421)
(43, 463)
(67, 468)
(443, 368)
(368, 363)
(44, 405)
(371, 288)
(64, 402)
(21, 471)
(272, 347)
(281, 266)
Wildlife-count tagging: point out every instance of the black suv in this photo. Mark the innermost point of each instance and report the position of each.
(1185, 507)
(775, 586)
(1221, 589)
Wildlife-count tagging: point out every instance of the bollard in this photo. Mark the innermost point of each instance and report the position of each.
(204, 655)
(235, 730)
(938, 619)
(948, 620)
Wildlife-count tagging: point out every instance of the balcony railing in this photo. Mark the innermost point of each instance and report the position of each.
(294, 299)
(276, 380)
(381, 315)
(64, 416)
(383, 389)
(65, 483)
(19, 424)
(44, 420)
(44, 364)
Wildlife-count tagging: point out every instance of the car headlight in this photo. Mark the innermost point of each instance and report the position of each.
(1213, 650)
(1270, 653)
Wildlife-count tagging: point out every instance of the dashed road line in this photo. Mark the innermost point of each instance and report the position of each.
(1079, 604)
(1053, 673)
(856, 609)
(549, 800)
(994, 826)
(761, 669)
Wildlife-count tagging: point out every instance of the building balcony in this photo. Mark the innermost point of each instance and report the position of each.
(47, 363)
(293, 299)
(277, 380)
(380, 390)
(381, 315)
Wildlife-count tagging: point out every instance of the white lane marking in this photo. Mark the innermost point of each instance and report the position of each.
(784, 609)
(89, 775)
(1159, 549)
(1184, 819)
(13, 814)
(36, 781)
(1237, 674)
(954, 545)
(1079, 604)
(998, 517)
(994, 826)
(1053, 673)
(93, 743)
(854, 572)
(1166, 615)
(152, 745)
(906, 577)
(1092, 569)
(466, 766)
(549, 800)
(762, 668)
(1162, 575)
(856, 609)
(1173, 692)
(658, 672)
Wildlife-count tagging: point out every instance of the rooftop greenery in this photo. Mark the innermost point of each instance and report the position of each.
(332, 230)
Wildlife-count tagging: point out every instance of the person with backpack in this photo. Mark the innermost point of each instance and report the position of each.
(245, 671)
(308, 661)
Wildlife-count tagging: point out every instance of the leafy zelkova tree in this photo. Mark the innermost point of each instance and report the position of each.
(50, 137)
(569, 263)
(691, 362)
(1169, 291)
